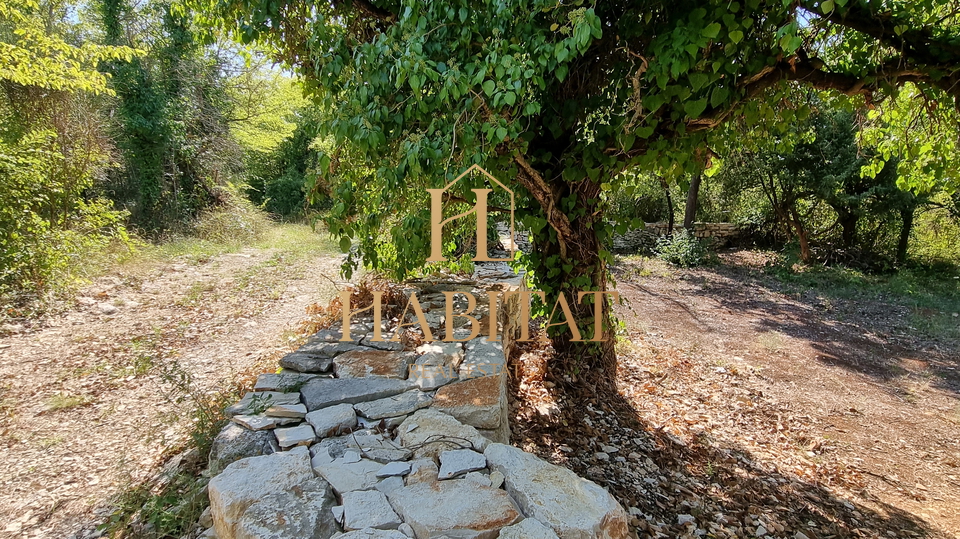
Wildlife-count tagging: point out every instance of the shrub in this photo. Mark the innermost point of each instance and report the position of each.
(237, 221)
(685, 250)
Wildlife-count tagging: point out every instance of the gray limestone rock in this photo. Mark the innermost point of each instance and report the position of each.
(322, 392)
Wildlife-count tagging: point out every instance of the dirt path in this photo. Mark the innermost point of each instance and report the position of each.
(84, 407)
(746, 409)
(844, 394)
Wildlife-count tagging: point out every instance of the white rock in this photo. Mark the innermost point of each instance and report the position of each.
(478, 478)
(368, 509)
(292, 436)
(395, 468)
(390, 484)
(431, 371)
(370, 533)
(244, 482)
(496, 479)
(571, 505)
(407, 530)
(262, 422)
(333, 420)
(303, 512)
(452, 352)
(454, 463)
(529, 528)
(348, 476)
(685, 519)
(398, 405)
(436, 432)
(287, 410)
(423, 471)
(456, 508)
(256, 402)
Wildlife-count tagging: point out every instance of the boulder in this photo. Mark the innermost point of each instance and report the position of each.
(329, 349)
(479, 402)
(574, 507)
(303, 513)
(458, 508)
(368, 509)
(246, 481)
(529, 528)
(397, 405)
(234, 443)
(452, 352)
(423, 471)
(371, 445)
(364, 363)
(322, 392)
(428, 432)
(333, 420)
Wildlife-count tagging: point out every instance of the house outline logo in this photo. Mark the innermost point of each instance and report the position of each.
(479, 209)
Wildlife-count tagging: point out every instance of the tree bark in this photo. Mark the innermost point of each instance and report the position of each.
(567, 260)
(693, 200)
(906, 226)
(848, 225)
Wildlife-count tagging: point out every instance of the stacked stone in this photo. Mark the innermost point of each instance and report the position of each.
(368, 439)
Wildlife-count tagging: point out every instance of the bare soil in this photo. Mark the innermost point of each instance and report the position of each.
(745, 409)
(88, 406)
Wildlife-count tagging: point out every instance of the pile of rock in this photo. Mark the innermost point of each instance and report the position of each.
(644, 240)
(368, 439)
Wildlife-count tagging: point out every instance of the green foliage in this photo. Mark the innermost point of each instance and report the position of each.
(237, 222)
(685, 250)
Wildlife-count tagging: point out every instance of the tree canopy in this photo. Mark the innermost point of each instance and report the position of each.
(563, 98)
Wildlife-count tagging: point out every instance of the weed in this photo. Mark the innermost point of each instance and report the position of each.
(61, 401)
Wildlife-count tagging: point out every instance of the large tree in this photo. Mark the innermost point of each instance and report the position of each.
(560, 98)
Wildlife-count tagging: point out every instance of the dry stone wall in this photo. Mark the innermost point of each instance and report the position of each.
(365, 439)
(644, 240)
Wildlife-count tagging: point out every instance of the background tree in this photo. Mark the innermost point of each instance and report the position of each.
(564, 98)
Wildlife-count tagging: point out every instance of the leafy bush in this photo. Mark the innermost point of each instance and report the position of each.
(236, 222)
(685, 250)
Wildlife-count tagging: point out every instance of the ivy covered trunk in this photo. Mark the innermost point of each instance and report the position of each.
(569, 258)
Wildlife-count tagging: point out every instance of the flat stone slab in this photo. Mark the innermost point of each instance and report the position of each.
(459, 461)
(246, 481)
(287, 410)
(431, 432)
(322, 392)
(370, 533)
(479, 402)
(262, 422)
(528, 528)
(306, 362)
(368, 509)
(457, 508)
(482, 358)
(258, 401)
(364, 363)
(329, 349)
(398, 405)
(371, 445)
(570, 505)
(392, 346)
(294, 436)
(396, 469)
(432, 370)
(346, 476)
(333, 420)
(452, 352)
(283, 382)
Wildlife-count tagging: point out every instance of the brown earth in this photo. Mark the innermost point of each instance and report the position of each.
(743, 404)
(89, 404)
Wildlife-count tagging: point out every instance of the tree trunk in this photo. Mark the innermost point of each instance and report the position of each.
(567, 260)
(906, 216)
(670, 217)
(848, 224)
(693, 200)
(802, 237)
